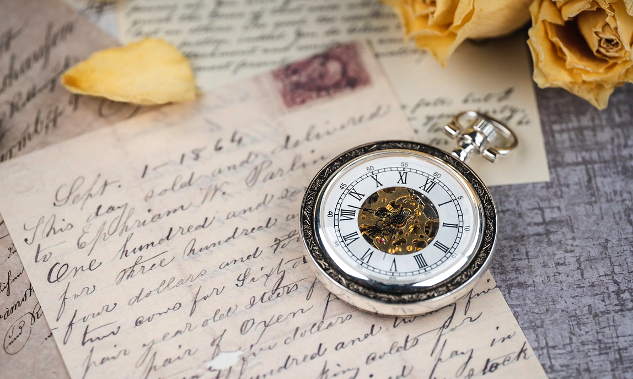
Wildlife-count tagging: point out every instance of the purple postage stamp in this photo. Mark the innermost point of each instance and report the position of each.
(333, 72)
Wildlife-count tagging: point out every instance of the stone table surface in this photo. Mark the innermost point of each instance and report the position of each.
(565, 251)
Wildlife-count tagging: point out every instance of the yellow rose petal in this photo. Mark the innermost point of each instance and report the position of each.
(599, 35)
(571, 9)
(444, 14)
(440, 26)
(150, 71)
(583, 46)
(629, 7)
(624, 21)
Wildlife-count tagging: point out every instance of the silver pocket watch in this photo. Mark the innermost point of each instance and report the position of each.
(404, 228)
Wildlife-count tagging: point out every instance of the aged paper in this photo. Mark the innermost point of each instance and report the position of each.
(38, 41)
(226, 40)
(168, 245)
(101, 12)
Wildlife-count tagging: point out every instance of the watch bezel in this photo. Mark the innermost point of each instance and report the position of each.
(400, 300)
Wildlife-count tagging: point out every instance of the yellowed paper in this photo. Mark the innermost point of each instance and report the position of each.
(229, 40)
(494, 80)
(101, 12)
(39, 40)
(168, 246)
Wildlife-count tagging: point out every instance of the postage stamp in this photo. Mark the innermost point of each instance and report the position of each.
(328, 74)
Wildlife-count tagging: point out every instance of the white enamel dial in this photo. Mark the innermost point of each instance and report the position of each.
(398, 217)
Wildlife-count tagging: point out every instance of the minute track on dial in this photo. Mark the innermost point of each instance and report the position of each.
(395, 219)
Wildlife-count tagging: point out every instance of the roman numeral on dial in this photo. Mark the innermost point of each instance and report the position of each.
(367, 256)
(440, 246)
(393, 266)
(447, 225)
(403, 177)
(356, 195)
(375, 177)
(350, 238)
(428, 185)
(419, 259)
(347, 214)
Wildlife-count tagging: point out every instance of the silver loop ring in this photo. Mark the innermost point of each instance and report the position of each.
(504, 139)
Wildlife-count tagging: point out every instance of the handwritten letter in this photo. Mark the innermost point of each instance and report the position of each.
(168, 246)
(101, 12)
(38, 41)
(226, 40)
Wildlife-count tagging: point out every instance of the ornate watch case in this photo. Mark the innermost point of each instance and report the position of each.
(404, 228)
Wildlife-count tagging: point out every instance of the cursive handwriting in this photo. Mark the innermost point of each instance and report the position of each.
(181, 254)
(238, 38)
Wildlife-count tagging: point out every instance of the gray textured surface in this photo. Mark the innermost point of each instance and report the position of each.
(565, 255)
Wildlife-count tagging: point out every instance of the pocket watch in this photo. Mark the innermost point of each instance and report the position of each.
(404, 228)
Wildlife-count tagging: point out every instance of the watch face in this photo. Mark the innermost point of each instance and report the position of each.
(399, 217)
(398, 227)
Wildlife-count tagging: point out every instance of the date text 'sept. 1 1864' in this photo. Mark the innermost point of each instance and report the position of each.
(403, 228)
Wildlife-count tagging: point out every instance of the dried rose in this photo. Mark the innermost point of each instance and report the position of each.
(442, 25)
(583, 46)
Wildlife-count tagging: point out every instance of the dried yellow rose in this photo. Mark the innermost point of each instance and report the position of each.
(150, 71)
(583, 46)
(442, 25)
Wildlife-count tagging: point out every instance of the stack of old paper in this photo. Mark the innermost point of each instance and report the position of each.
(167, 245)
